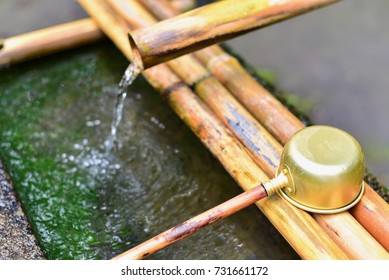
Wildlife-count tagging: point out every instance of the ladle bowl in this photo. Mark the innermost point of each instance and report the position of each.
(325, 169)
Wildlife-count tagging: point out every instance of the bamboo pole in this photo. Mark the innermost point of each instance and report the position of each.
(310, 241)
(261, 103)
(211, 24)
(48, 40)
(372, 213)
(355, 242)
(259, 142)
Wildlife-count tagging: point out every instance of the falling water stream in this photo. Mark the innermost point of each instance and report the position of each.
(129, 76)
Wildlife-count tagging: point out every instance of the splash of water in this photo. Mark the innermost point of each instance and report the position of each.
(128, 78)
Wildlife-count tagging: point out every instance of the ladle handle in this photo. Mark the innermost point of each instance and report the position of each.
(194, 224)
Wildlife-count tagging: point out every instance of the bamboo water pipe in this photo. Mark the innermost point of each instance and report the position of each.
(311, 242)
(48, 40)
(255, 138)
(211, 24)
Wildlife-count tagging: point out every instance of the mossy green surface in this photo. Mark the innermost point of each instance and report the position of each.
(60, 201)
(87, 203)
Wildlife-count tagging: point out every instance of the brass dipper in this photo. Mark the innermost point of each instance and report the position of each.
(321, 170)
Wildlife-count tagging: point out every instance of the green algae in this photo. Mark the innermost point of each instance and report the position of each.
(29, 148)
(373, 182)
(85, 203)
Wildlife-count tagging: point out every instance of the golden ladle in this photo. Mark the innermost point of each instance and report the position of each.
(321, 171)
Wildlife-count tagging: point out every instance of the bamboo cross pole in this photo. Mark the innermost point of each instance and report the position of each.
(48, 40)
(252, 135)
(272, 114)
(356, 242)
(311, 242)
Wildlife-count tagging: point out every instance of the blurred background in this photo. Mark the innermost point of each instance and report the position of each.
(334, 62)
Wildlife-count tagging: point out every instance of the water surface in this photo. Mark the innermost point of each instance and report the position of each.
(85, 203)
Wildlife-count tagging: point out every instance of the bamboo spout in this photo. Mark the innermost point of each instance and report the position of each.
(211, 24)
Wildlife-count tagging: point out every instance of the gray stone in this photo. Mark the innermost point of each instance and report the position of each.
(17, 240)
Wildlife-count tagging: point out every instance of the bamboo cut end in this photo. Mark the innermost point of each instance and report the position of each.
(136, 54)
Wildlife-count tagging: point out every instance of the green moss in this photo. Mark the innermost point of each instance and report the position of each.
(57, 200)
(269, 76)
(377, 186)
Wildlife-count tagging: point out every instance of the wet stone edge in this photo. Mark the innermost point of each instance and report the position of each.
(17, 239)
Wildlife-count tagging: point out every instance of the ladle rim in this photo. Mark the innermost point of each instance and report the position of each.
(325, 211)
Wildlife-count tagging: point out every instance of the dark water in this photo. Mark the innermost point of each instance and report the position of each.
(56, 114)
